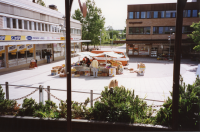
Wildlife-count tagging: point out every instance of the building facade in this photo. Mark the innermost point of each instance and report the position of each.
(28, 30)
(151, 27)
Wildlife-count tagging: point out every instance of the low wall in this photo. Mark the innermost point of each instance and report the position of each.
(16, 123)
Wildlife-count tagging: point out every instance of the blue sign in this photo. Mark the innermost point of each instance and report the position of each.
(12, 47)
(29, 38)
(2, 37)
(15, 37)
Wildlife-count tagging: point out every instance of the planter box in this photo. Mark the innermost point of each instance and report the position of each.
(17, 123)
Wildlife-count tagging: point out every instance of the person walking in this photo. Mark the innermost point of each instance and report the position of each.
(95, 64)
(48, 54)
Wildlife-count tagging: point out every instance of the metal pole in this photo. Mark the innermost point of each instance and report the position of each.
(100, 39)
(177, 52)
(68, 4)
(91, 98)
(7, 91)
(170, 43)
(48, 94)
(112, 38)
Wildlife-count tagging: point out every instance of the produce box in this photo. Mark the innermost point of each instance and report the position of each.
(99, 75)
(77, 75)
(87, 73)
(63, 75)
(99, 71)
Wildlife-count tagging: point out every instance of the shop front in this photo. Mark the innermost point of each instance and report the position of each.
(138, 50)
(2, 57)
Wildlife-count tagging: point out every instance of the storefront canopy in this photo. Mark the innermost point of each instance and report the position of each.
(4, 43)
(89, 54)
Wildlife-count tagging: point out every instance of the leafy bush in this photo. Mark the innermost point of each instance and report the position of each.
(78, 110)
(7, 107)
(189, 104)
(120, 105)
(31, 108)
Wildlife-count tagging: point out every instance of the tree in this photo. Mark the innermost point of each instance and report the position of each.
(92, 23)
(195, 36)
(41, 2)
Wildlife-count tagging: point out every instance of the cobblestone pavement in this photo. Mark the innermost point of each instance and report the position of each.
(155, 84)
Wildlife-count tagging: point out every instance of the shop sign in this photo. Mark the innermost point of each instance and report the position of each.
(12, 48)
(2, 37)
(15, 37)
(28, 37)
(62, 38)
(29, 47)
(21, 47)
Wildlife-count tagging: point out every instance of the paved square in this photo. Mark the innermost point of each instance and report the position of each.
(155, 84)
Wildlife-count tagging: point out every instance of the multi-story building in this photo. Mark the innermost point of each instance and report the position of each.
(151, 27)
(28, 30)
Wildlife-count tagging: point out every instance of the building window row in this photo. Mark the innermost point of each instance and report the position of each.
(29, 25)
(139, 30)
(159, 30)
(161, 14)
(75, 31)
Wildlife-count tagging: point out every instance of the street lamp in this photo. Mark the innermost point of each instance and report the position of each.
(100, 38)
(169, 38)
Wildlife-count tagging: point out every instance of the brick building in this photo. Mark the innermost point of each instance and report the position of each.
(151, 27)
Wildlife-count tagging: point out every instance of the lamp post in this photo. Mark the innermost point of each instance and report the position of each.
(100, 38)
(169, 38)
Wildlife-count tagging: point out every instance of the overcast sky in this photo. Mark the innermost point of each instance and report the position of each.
(114, 11)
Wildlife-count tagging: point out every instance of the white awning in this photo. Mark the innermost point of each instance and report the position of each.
(4, 43)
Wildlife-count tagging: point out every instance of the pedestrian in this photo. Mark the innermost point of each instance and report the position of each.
(48, 54)
(88, 62)
(94, 65)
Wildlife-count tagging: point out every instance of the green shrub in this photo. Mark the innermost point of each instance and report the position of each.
(120, 105)
(7, 107)
(78, 110)
(188, 108)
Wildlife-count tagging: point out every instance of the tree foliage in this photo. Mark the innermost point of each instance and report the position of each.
(92, 23)
(41, 2)
(195, 36)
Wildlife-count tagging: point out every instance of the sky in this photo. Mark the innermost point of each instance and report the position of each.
(114, 11)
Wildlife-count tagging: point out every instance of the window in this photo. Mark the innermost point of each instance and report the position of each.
(14, 23)
(35, 25)
(53, 29)
(39, 28)
(160, 30)
(42, 26)
(194, 13)
(162, 14)
(148, 14)
(143, 14)
(137, 15)
(71, 30)
(30, 25)
(155, 14)
(25, 25)
(130, 15)
(20, 24)
(163, 30)
(170, 14)
(8, 22)
(46, 27)
(188, 13)
(187, 29)
(139, 30)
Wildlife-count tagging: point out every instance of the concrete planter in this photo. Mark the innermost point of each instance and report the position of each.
(18, 123)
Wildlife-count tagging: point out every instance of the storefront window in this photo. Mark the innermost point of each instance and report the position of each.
(12, 56)
(21, 54)
(2, 60)
(29, 54)
(38, 54)
(143, 50)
